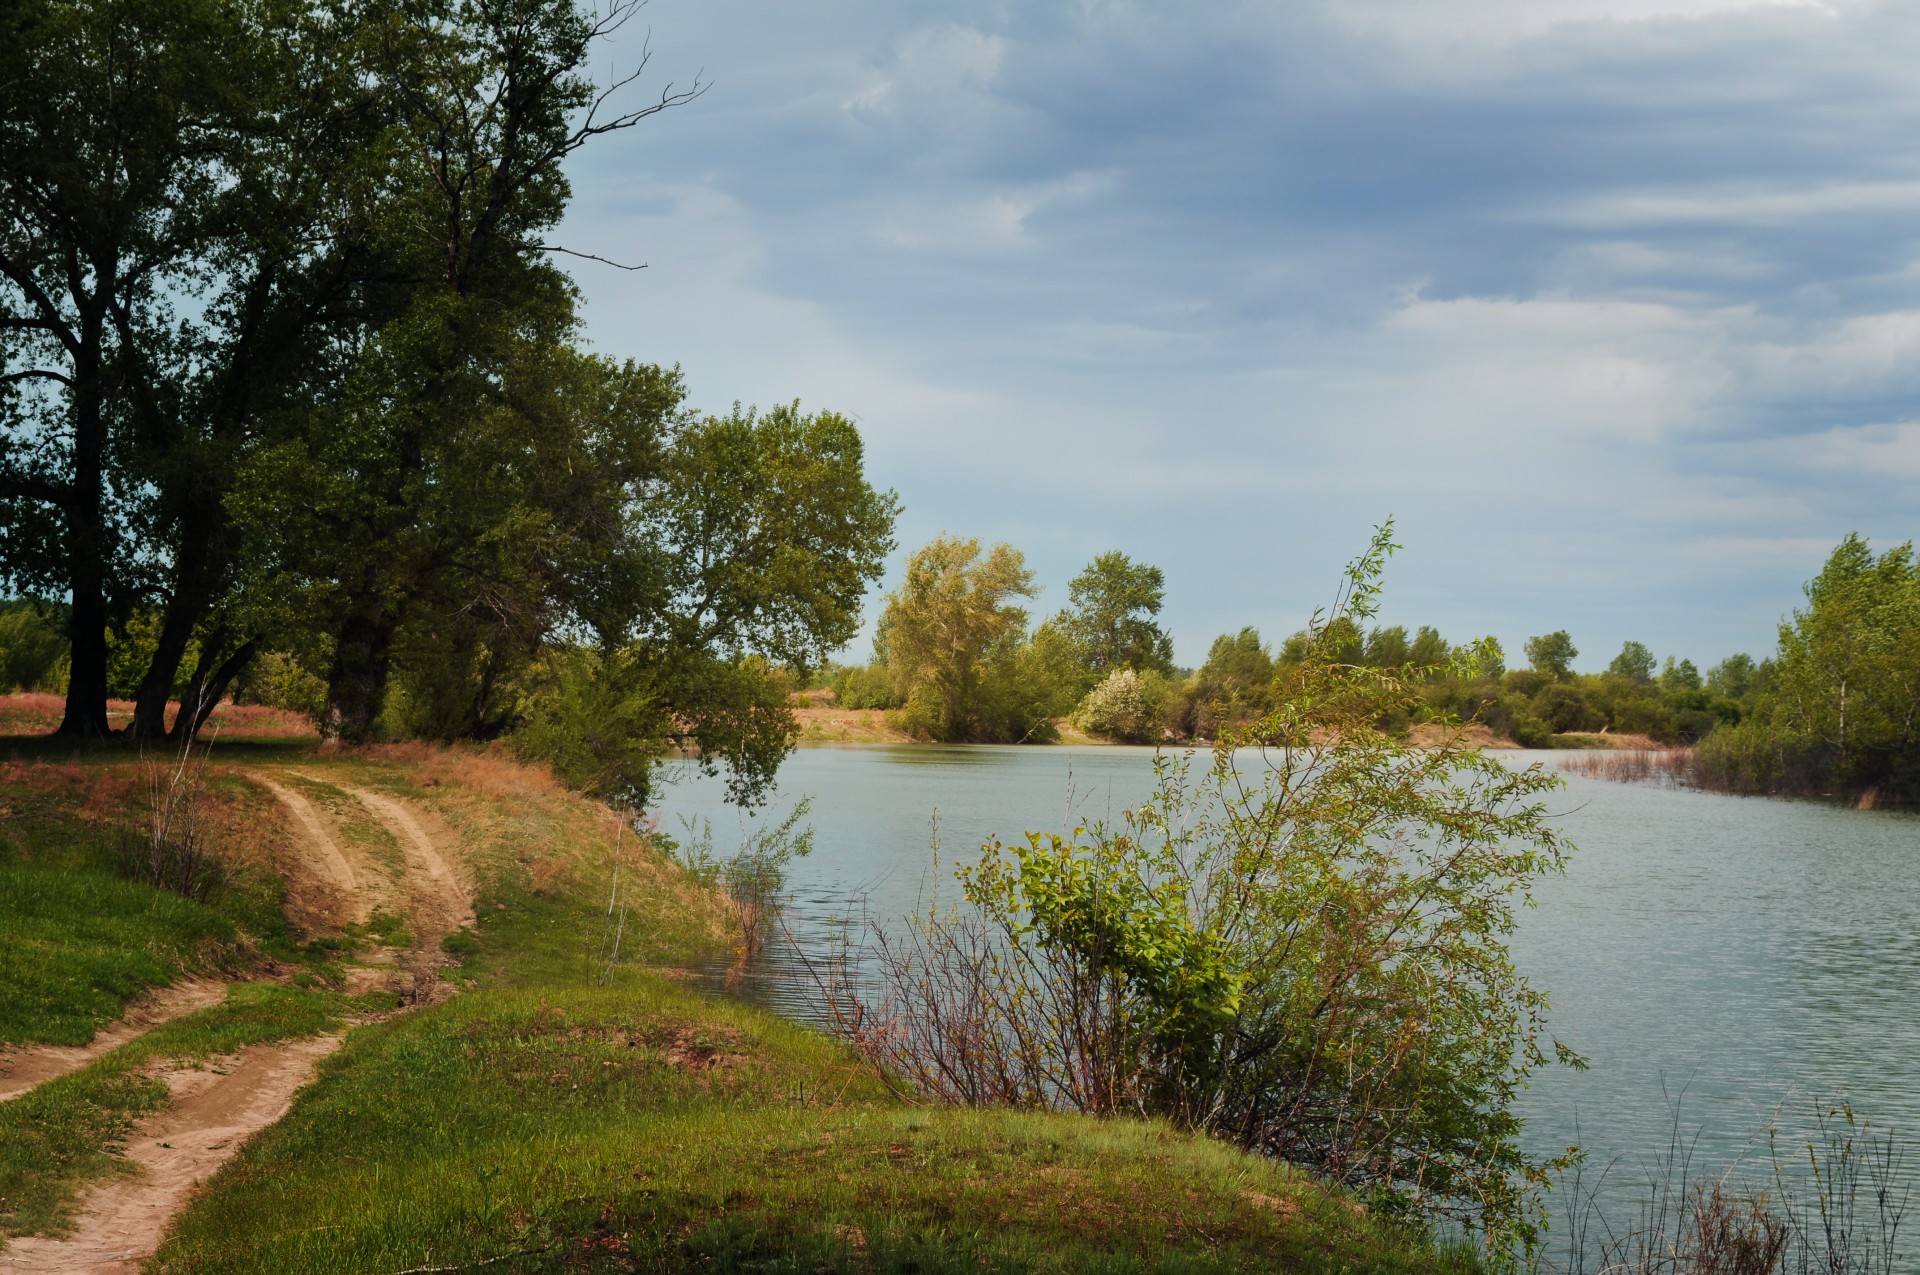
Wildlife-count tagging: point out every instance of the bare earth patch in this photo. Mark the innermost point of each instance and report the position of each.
(21, 1069)
(215, 1109)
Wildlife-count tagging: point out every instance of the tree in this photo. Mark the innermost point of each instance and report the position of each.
(1110, 616)
(1680, 677)
(948, 628)
(1635, 662)
(494, 103)
(1388, 648)
(119, 139)
(1553, 654)
(1429, 650)
(1732, 677)
(1237, 663)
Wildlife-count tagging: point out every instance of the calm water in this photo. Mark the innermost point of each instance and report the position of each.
(1748, 952)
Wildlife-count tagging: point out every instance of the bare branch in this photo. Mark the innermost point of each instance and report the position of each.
(585, 256)
(37, 373)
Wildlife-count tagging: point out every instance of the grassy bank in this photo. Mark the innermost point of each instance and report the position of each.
(84, 934)
(568, 1112)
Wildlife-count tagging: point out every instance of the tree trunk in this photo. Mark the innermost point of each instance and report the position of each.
(86, 551)
(188, 602)
(205, 692)
(357, 682)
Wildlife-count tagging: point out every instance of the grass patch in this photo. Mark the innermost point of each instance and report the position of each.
(69, 1130)
(82, 938)
(653, 1129)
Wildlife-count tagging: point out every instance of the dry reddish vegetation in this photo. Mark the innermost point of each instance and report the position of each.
(34, 713)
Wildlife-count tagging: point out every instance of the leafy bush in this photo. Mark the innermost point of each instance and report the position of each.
(1127, 706)
(33, 650)
(1563, 708)
(277, 680)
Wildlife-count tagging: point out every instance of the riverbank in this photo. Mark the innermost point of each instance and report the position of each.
(509, 1066)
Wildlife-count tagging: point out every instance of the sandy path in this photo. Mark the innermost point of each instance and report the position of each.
(346, 896)
(119, 1224)
(442, 900)
(24, 1067)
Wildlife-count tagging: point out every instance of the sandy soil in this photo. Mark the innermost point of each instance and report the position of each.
(322, 889)
(215, 1109)
(22, 1069)
(439, 896)
(847, 726)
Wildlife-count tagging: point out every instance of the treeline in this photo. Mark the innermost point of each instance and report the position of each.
(957, 658)
(1836, 712)
(296, 401)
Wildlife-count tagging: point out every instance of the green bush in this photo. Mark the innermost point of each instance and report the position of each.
(33, 650)
(1127, 706)
(277, 680)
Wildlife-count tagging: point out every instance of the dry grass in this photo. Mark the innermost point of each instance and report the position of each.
(1469, 735)
(848, 726)
(35, 713)
(1640, 765)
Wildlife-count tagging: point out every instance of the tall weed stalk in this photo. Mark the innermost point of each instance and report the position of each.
(170, 849)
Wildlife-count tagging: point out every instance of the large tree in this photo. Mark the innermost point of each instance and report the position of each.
(121, 129)
(1111, 617)
(951, 638)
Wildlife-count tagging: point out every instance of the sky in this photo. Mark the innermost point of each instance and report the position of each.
(1612, 305)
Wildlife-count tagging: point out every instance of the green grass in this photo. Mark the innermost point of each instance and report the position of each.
(78, 945)
(83, 937)
(68, 1131)
(537, 1123)
(654, 1129)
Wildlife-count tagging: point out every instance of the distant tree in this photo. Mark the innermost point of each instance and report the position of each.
(1111, 613)
(1732, 677)
(1553, 654)
(1635, 661)
(949, 627)
(1388, 648)
(1429, 649)
(1677, 678)
(1237, 662)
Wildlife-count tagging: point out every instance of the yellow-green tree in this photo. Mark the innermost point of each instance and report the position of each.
(953, 640)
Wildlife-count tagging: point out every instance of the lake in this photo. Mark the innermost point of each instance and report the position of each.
(1744, 952)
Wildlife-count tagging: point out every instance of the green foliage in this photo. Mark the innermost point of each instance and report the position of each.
(1563, 708)
(1680, 677)
(864, 686)
(1300, 947)
(1838, 711)
(1635, 662)
(1732, 678)
(33, 650)
(1553, 654)
(1127, 706)
(1110, 617)
(278, 680)
(951, 636)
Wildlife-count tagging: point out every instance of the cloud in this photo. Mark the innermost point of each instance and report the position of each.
(1616, 303)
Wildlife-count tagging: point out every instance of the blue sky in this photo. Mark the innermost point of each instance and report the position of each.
(1613, 304)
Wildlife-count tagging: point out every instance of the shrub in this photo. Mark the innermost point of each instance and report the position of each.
(1127, 706)
(33, 650)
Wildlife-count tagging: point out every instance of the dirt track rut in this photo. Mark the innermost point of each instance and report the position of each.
(22, 1069)
(332, 882)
